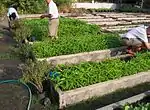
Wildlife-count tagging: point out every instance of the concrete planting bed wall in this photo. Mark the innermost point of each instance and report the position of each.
(111, 19)
(81, 94)
(86, 56)
(125, 101)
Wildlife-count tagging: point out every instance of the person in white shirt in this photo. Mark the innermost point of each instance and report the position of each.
(53, 16)
(12, 15)
(137, 39)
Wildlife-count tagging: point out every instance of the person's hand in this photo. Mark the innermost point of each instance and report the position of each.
(42, 16)
(148, 50)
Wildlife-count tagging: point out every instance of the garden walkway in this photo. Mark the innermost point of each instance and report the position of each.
(8, 68)
(12, 96)
(112, 21)
(108, 21)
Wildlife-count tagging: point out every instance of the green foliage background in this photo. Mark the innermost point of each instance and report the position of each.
(30, 6)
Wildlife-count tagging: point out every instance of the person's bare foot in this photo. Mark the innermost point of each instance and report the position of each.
(129, 51)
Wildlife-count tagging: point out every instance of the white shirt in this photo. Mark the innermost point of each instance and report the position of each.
(53, 10)
(12, 10)
(138, 32)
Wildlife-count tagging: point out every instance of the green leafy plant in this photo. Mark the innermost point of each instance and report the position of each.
(138, 106)
(84, 74)
(74, 36)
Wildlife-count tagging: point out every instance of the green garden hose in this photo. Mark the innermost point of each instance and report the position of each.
(25, 85)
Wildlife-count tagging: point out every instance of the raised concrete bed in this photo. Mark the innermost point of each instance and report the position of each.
(111, 23)
(143, 15)
(141, 21)
(124, 26)
(115, 29)
(85, 57)
(110, 13)
(125, 101)
(118, 16)
(135, 18)
(98, 20)
(100, 89)
(89, 17)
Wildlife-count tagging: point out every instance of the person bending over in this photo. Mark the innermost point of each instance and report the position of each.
(12, 16)
(137, 39)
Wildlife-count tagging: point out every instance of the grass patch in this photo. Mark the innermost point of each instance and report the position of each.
(74, 37)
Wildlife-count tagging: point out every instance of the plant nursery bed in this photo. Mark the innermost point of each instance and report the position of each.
(98, 20)
(75, 36)
(137, 102)
(86, 80)
(107, 23)
(132, 18)
(89, 17)
(81, 94)
(115, 29)
(124, 26)
(141, 21)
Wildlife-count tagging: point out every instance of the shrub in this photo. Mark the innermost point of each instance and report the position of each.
(26, 6)
(2, 10)
(24, 52)
(35, 72)
(20, 31)
(33, 6)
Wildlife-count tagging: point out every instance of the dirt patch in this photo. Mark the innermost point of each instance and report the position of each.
(13, 97)
(9, 69)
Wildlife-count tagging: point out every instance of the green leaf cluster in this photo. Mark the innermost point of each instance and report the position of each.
(139, 106)
(74, 36)
(84, 74)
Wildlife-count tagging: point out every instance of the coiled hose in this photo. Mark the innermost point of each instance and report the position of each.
(25, 85)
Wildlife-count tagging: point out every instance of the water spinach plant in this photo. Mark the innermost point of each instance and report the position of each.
(143, 104)
(138, 106)
(84, 74)
(75, 36)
